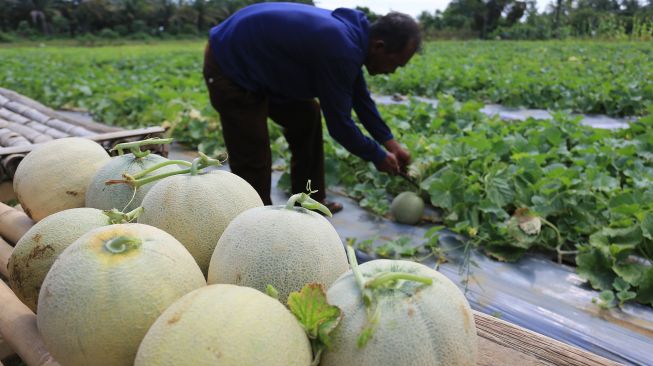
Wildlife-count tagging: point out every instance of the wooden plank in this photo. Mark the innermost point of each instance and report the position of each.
(503, 343)
(99, 137)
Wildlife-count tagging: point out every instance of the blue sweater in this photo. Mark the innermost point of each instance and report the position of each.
(294, 51)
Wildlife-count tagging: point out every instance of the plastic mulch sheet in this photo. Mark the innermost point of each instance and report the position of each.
(511, 114)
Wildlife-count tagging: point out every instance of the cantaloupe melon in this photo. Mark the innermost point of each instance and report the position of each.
(407, 208)
(196, 209)
(55, 175)
(418, 324)
(284, 247)
(225, 325)
(41, 245)
(107, 288)
(121, 196)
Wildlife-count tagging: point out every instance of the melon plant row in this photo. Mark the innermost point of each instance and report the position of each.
(583, 194)
(140, 260)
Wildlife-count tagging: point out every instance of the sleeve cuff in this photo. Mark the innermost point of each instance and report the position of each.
(378, 155)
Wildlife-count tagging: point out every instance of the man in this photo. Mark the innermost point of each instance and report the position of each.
(274, 59)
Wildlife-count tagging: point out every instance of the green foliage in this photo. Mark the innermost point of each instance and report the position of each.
(588, 77)
(581, 193)
(316, 315)
(108, 34)
(6, 37)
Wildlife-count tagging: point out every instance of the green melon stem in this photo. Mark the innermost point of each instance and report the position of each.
(198, 164)
(353, 263)
(386, 278)
(135, 147)
(122, 244)
(370, 295)
(118, 217)
(305, 200)
(160, 165)
(194, 167)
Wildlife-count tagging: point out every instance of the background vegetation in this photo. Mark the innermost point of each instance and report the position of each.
(86, 20)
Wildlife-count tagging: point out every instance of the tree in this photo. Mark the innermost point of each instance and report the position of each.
(371, 16)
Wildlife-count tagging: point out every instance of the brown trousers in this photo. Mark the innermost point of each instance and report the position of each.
(244, 114)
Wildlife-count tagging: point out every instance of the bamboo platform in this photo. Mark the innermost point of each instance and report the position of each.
(500, 343)
(26, 123)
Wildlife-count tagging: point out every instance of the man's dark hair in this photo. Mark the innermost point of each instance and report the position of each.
(396, 30)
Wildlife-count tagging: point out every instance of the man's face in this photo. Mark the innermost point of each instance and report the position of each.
(379, 61)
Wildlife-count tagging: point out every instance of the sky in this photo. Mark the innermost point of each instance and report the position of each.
(411, 7)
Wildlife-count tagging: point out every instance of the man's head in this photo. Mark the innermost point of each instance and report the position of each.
(393, 40)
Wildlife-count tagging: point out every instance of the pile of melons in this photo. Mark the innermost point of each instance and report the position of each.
(137, 259)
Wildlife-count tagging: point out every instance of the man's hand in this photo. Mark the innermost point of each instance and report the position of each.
(389, 165)
(401, 155)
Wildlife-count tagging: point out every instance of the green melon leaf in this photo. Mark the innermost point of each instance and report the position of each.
(315, 314)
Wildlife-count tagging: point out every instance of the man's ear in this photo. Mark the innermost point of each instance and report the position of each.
(378, 45)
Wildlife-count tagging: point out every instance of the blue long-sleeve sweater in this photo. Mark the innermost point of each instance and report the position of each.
(295, 51)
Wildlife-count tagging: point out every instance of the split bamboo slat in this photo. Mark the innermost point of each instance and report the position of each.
(90, 125)
(12, 116)
(15, 112)
(13, 223)
(5, 253)
(28, 132)
(44, 129)
(68, 128)
(12, 138)
(16, 107)
(111, 137)
(35, 115)
(18, 328)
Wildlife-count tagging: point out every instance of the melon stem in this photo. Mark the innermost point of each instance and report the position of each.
(202, 162)
(370, 296)
(353, 263)
(383, 279)
(160, 165)
(122, 244)
(117, 217)
(194, 167)
(308, 203)
(135, 147)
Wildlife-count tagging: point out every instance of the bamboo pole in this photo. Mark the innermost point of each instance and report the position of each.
(5, 253)
(18, 328)
(5, 350)
(13, 223)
